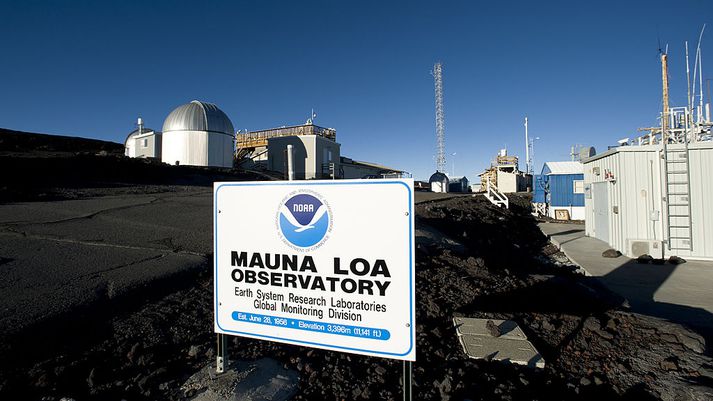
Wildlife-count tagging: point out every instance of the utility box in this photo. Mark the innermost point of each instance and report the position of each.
(638, 247)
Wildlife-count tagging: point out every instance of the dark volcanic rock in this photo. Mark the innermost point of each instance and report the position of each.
(676, 260)
(29, 142)
(493, 328)
(611, 253)
(644, 259)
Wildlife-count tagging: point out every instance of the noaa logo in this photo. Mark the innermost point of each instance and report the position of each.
(304, 220)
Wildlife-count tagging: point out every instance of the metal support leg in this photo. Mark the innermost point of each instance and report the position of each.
(222, 355)
(407, 380)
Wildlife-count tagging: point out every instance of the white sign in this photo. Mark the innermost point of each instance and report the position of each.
(325, 264)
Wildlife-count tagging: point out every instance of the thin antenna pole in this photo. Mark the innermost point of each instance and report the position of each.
(440, 130)
(527, 150)
(708, 117)
(689, 111)
(688, 81)
(700, 84)
(695, 75)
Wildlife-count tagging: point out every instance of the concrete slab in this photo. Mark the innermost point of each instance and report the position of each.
(512, 346)
(679, 293)
(580, 249)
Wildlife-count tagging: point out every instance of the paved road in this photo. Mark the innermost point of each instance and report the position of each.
(55, 256)
(680, 293)
(58, 255)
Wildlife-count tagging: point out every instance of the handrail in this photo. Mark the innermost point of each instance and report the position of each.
(495, 196)
(257, 137)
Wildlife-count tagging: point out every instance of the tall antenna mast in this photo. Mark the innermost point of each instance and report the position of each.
(440, 132)
(527, 150)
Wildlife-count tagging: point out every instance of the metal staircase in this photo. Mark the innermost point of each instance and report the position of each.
(495, 196)
(678, 196)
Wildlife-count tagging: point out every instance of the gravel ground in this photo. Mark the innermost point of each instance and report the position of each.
(483, 262)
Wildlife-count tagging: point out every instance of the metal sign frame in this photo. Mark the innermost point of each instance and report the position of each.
(407, 355)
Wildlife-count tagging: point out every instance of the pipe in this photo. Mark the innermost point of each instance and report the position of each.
(663, 198)
(665, 114)
(290, 163)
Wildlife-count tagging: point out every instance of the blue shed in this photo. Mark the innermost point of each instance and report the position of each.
(563, 184)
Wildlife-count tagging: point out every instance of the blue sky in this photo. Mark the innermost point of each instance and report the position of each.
(584, 72)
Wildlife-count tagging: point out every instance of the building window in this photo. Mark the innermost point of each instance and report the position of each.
(144, 143)
(578, 186)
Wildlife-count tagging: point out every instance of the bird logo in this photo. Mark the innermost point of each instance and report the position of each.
(304, 220)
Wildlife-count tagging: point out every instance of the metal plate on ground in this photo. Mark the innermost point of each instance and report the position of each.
(520, 352)
(510, 346)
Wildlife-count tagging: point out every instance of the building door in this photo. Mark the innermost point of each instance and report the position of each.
(600, 209)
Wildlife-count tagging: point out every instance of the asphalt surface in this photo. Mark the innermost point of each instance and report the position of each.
(55, 256)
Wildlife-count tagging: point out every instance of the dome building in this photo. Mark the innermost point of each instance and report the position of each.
(143, 142)
(439, 182)
(198, 134)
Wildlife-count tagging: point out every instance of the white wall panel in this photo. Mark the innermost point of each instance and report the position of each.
(197, 148)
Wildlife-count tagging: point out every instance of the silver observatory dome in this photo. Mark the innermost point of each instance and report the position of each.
(198, 116)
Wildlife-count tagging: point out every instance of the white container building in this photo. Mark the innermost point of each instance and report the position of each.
(652, 199)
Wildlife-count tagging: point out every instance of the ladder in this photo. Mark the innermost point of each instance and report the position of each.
(678, 196)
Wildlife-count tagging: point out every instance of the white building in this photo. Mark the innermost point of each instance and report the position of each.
(143, 142)
(647, 200)
(198, 134)
(316, 154)
(315, 157)
(505, 175)
(439, 182)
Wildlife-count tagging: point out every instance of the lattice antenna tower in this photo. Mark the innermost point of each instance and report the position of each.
(440, 131)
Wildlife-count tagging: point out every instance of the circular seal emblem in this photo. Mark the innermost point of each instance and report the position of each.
(304, 220)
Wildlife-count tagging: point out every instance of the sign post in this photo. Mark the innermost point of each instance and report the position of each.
(222, 358)
(326, 264)
(408, 380)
